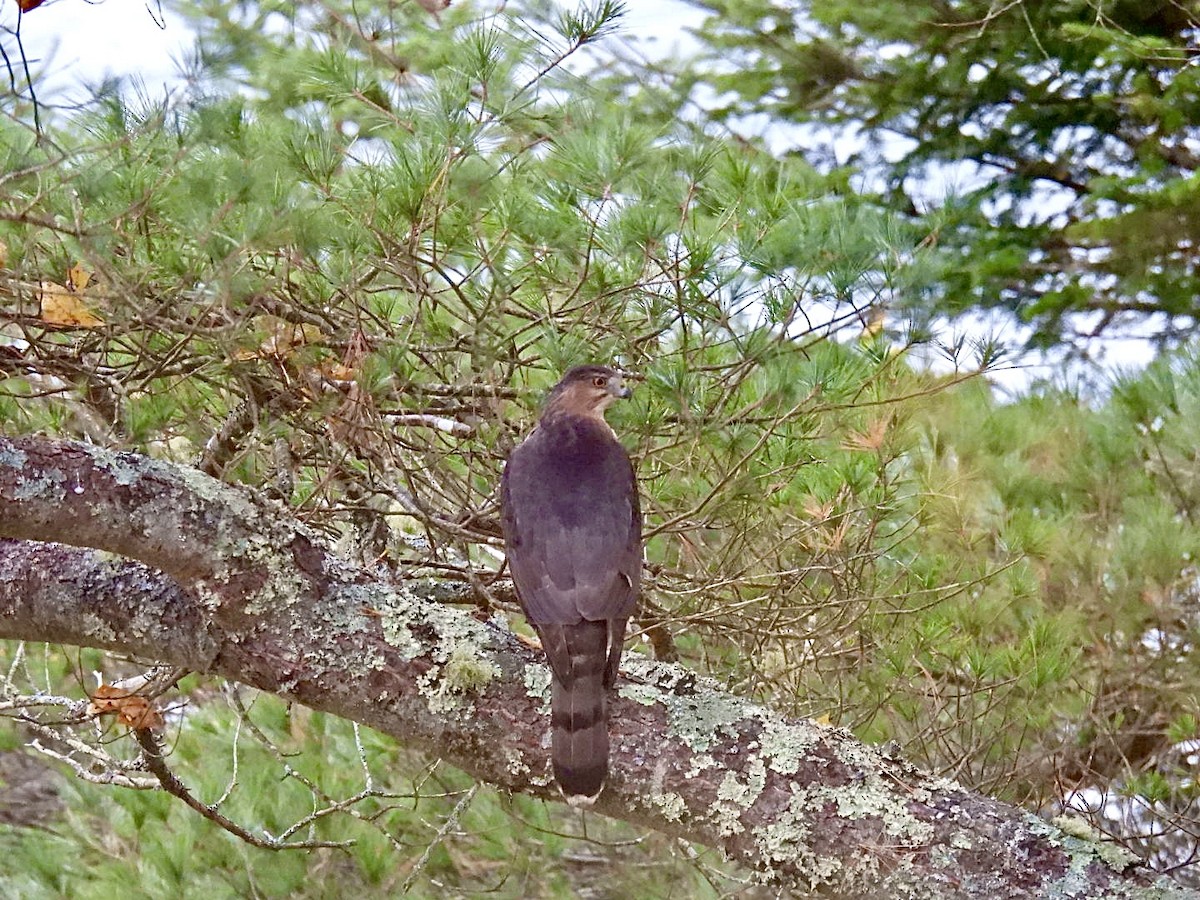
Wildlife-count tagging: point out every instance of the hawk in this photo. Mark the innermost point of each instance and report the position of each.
(573, 538)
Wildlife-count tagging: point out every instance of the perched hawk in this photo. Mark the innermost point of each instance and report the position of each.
(573, 536)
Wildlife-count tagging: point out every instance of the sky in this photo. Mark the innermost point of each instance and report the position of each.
(68, 41)
(74, 40)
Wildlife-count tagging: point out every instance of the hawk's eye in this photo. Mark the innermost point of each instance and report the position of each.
(600, 381)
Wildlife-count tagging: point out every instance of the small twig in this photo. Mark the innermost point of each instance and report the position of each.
(152, 755)
(17, 662)
(368, 778)
(26, 701)
(423, 420)
(483, 597)
(153, 682)
(462, 390)
(284, 463)
(332, 806)
(449, 825)
(233, 777)
(102, 776)
(37, 116)
(652, 624)
(409, 503)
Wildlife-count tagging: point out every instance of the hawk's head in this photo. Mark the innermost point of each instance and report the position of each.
(586, 391)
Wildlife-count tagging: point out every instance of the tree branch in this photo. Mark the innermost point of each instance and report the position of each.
(227, 584)
(153, 756)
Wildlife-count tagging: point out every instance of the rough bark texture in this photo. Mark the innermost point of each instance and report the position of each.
(189, 571)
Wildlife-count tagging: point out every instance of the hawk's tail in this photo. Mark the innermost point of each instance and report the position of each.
(584, 660)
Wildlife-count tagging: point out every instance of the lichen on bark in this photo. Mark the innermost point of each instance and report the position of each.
(232, 585)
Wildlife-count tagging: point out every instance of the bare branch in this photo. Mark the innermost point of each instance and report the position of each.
(441, 423)
(268, 604)
(153, 756)
(449, 825)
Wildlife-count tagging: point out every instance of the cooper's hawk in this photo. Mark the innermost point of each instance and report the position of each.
(573, 535)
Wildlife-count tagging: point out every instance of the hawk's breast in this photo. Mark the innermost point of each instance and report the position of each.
(571, 522)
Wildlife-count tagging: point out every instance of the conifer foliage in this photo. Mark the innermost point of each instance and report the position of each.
(339, 267)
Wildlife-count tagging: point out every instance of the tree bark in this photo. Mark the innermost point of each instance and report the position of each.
(209, 577)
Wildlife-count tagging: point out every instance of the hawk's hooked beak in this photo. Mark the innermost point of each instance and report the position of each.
(620, 389)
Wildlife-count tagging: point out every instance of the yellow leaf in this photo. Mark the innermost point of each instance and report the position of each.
(78, 278)
(62, 306)
(289, 337)
(874, 322)
(283, 338)
(823, 720)
(3, 254)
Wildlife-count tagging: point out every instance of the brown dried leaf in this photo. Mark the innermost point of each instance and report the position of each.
(816, 510)
(838, 535)
(336, 371)
(283, 338)
(354, 420)
(131, 709)
(871, 439)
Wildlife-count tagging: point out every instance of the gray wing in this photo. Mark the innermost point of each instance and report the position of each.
(572, 528)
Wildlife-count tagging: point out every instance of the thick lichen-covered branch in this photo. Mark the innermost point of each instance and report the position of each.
(207, 576)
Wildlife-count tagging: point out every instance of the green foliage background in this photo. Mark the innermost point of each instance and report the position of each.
(342, 267)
